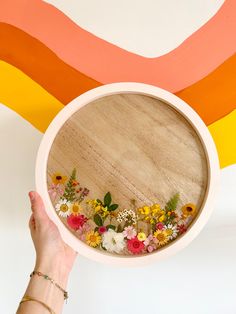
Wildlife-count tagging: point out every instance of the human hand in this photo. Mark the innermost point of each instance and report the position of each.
(53, 255)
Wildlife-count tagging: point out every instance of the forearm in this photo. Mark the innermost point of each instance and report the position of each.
(45, 291)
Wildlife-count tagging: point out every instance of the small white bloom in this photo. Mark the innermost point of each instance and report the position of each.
(113, 241)
(171, 231)
(63, 207)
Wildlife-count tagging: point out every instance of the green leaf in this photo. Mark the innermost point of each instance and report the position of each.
(98, 220)
(113, 207)
(172, 203)
(111, 227)
(107, 199)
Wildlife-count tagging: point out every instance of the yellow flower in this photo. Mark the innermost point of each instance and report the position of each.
(161, 236)
(75, 208)
(94, 203)
(141, 236)
(57, 178)
(145, 210)
(97, 208)
(188, 209)
(162, 218)
(93, 238)
(155, 209)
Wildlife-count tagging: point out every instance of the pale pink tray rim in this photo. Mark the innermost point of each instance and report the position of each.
(175, 102)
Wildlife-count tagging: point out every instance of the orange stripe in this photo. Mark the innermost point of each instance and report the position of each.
(42, 65)
(214, 96)
(195, 58)
(65, 83)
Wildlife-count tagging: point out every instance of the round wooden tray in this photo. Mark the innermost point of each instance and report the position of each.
(129, 170)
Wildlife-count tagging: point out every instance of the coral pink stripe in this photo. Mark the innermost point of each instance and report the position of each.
(198, 55)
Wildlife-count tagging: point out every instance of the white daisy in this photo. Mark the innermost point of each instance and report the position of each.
(171, 231)
(63, 207)
(113, 241)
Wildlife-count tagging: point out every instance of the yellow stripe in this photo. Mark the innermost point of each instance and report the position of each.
(224, 135)
(26, 97)
(36, 105)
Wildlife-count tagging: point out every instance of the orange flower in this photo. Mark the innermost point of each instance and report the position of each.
(58, 178)
(188, 209)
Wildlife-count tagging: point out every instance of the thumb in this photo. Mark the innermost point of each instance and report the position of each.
(37, 206)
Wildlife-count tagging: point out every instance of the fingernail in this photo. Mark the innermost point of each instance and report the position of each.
(31, 195)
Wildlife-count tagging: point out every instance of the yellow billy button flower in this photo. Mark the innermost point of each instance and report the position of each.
(188, 209)
(141, 236)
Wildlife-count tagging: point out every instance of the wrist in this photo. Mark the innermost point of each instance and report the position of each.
(54, 269)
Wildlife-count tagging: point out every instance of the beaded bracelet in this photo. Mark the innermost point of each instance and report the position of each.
(28, 298)
(51, 280)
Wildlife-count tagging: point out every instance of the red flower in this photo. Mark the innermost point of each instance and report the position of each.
(102, 229)
(160, 226)
(76, 222)
(135, 246)
(181, 228)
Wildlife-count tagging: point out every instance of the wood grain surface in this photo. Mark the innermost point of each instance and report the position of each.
(136, 147)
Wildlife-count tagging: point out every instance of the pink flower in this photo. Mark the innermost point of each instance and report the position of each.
(76, 222)
(56, 190)
(160, 226)
(135, 246)
(150, 243)
(83, 230)
(148, 240)
(129, 232)
(150, 248)
(102, 229)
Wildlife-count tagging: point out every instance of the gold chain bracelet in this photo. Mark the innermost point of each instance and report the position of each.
(28, 298)
(51, 280)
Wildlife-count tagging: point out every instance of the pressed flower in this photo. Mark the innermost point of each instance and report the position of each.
(63, 207)
(160, 226)
(181, 228)
(83, 230)
(141, 236)
(161, 236)
(57, 178)
(150, 248)
(56, 190)
(127, 215)
(102, 229)
(162, 218)
(145, 210)
(135, 246)
(188, 209)
(93, 238)
(76, 221)
(155, 209)
(129, 232)
(113, 241)
(75, 182)
(171, 231)
(151, 240)
(75, 208)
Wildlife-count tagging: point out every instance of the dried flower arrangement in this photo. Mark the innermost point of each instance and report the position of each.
(102, 224)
